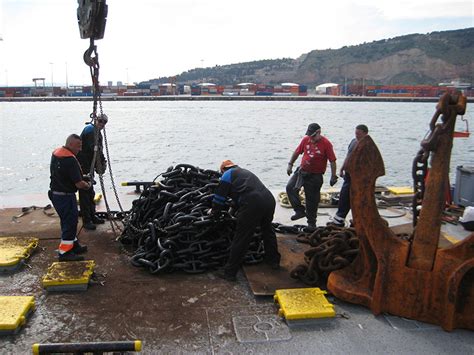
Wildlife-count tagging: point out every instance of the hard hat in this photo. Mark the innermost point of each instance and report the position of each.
(226, 164)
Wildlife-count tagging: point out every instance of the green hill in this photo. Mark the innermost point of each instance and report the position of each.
(412, 59)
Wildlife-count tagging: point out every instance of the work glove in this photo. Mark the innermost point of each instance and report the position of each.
(289, 169)
(333, 180)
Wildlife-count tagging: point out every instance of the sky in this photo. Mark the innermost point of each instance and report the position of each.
(146, 39)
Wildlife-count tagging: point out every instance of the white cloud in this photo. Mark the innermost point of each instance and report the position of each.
(147, 39)
(412, 9)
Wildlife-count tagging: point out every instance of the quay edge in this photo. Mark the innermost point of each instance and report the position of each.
(227, 98)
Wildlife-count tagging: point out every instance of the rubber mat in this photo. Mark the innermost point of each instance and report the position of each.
(14, 311)
(69, 276)
(264, 281)
(303, 303)
(14, 250)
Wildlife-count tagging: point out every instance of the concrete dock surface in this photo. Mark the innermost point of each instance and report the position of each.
(183, 313)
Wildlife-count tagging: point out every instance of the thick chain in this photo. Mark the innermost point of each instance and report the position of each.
(332, 248)
(419, 172)
(428, 145)
(171, 228)
(109, 165)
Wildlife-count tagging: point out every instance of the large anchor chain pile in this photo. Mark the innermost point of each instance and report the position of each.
(171, 229)
(332, 248)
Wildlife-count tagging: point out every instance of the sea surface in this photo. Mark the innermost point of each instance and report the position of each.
(144, 138)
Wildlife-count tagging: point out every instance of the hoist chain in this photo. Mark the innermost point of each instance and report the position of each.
(91, 58)
(116, 229)
(110, 171)
(91, 15)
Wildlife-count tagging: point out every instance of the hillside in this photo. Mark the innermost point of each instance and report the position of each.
(412, 59)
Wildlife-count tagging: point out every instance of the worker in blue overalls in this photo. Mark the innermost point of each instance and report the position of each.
(255, 206)
(66, 179)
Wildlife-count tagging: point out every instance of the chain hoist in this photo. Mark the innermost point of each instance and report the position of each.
(92, 17)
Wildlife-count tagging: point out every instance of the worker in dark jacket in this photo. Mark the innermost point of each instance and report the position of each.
(344, 204)
(255, 206)
(86, 157)
(66, 178)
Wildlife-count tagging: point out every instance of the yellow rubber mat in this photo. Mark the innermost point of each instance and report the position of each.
(450, 238)
(14, 311)
(401, 190)
(13, 250)
(68, 276)
(303, 303)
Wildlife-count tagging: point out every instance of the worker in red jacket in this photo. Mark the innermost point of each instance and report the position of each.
(316, 150)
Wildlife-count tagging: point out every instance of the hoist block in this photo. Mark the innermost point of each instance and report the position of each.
(412, 279)
(92, 17)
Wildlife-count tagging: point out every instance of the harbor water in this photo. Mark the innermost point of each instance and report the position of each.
(144, 138)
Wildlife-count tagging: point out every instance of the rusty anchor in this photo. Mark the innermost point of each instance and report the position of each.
(412, 279)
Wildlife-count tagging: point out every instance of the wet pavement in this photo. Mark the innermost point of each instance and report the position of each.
(182, 313)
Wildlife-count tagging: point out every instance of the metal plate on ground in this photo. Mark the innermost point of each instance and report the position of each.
(69, 276)
(14, 311)
(407, 324)
(264, 281)
(260, 328)
(14, 250)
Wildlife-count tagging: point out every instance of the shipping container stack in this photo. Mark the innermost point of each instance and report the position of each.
(195, 90)
(264, 90)
(302, 90)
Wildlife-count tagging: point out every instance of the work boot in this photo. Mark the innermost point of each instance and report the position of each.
(89, 226)
(78, 248)
(298, 215)
(70, 256)
(225, 276)
(337, 221)
(97, 220)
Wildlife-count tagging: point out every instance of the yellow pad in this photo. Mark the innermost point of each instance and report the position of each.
(450, 238)
(14, 310)
(402, 190)
(14, 249)
(303, 303)
(69, 273)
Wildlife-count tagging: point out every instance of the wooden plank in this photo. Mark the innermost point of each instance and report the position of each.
(264, 281)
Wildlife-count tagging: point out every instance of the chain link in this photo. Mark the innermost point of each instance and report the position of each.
(428, 145)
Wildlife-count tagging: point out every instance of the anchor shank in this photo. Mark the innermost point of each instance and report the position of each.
(427, 232)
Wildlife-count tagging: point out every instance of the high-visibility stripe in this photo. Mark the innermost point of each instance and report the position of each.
(65, 246)
(63, 152)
